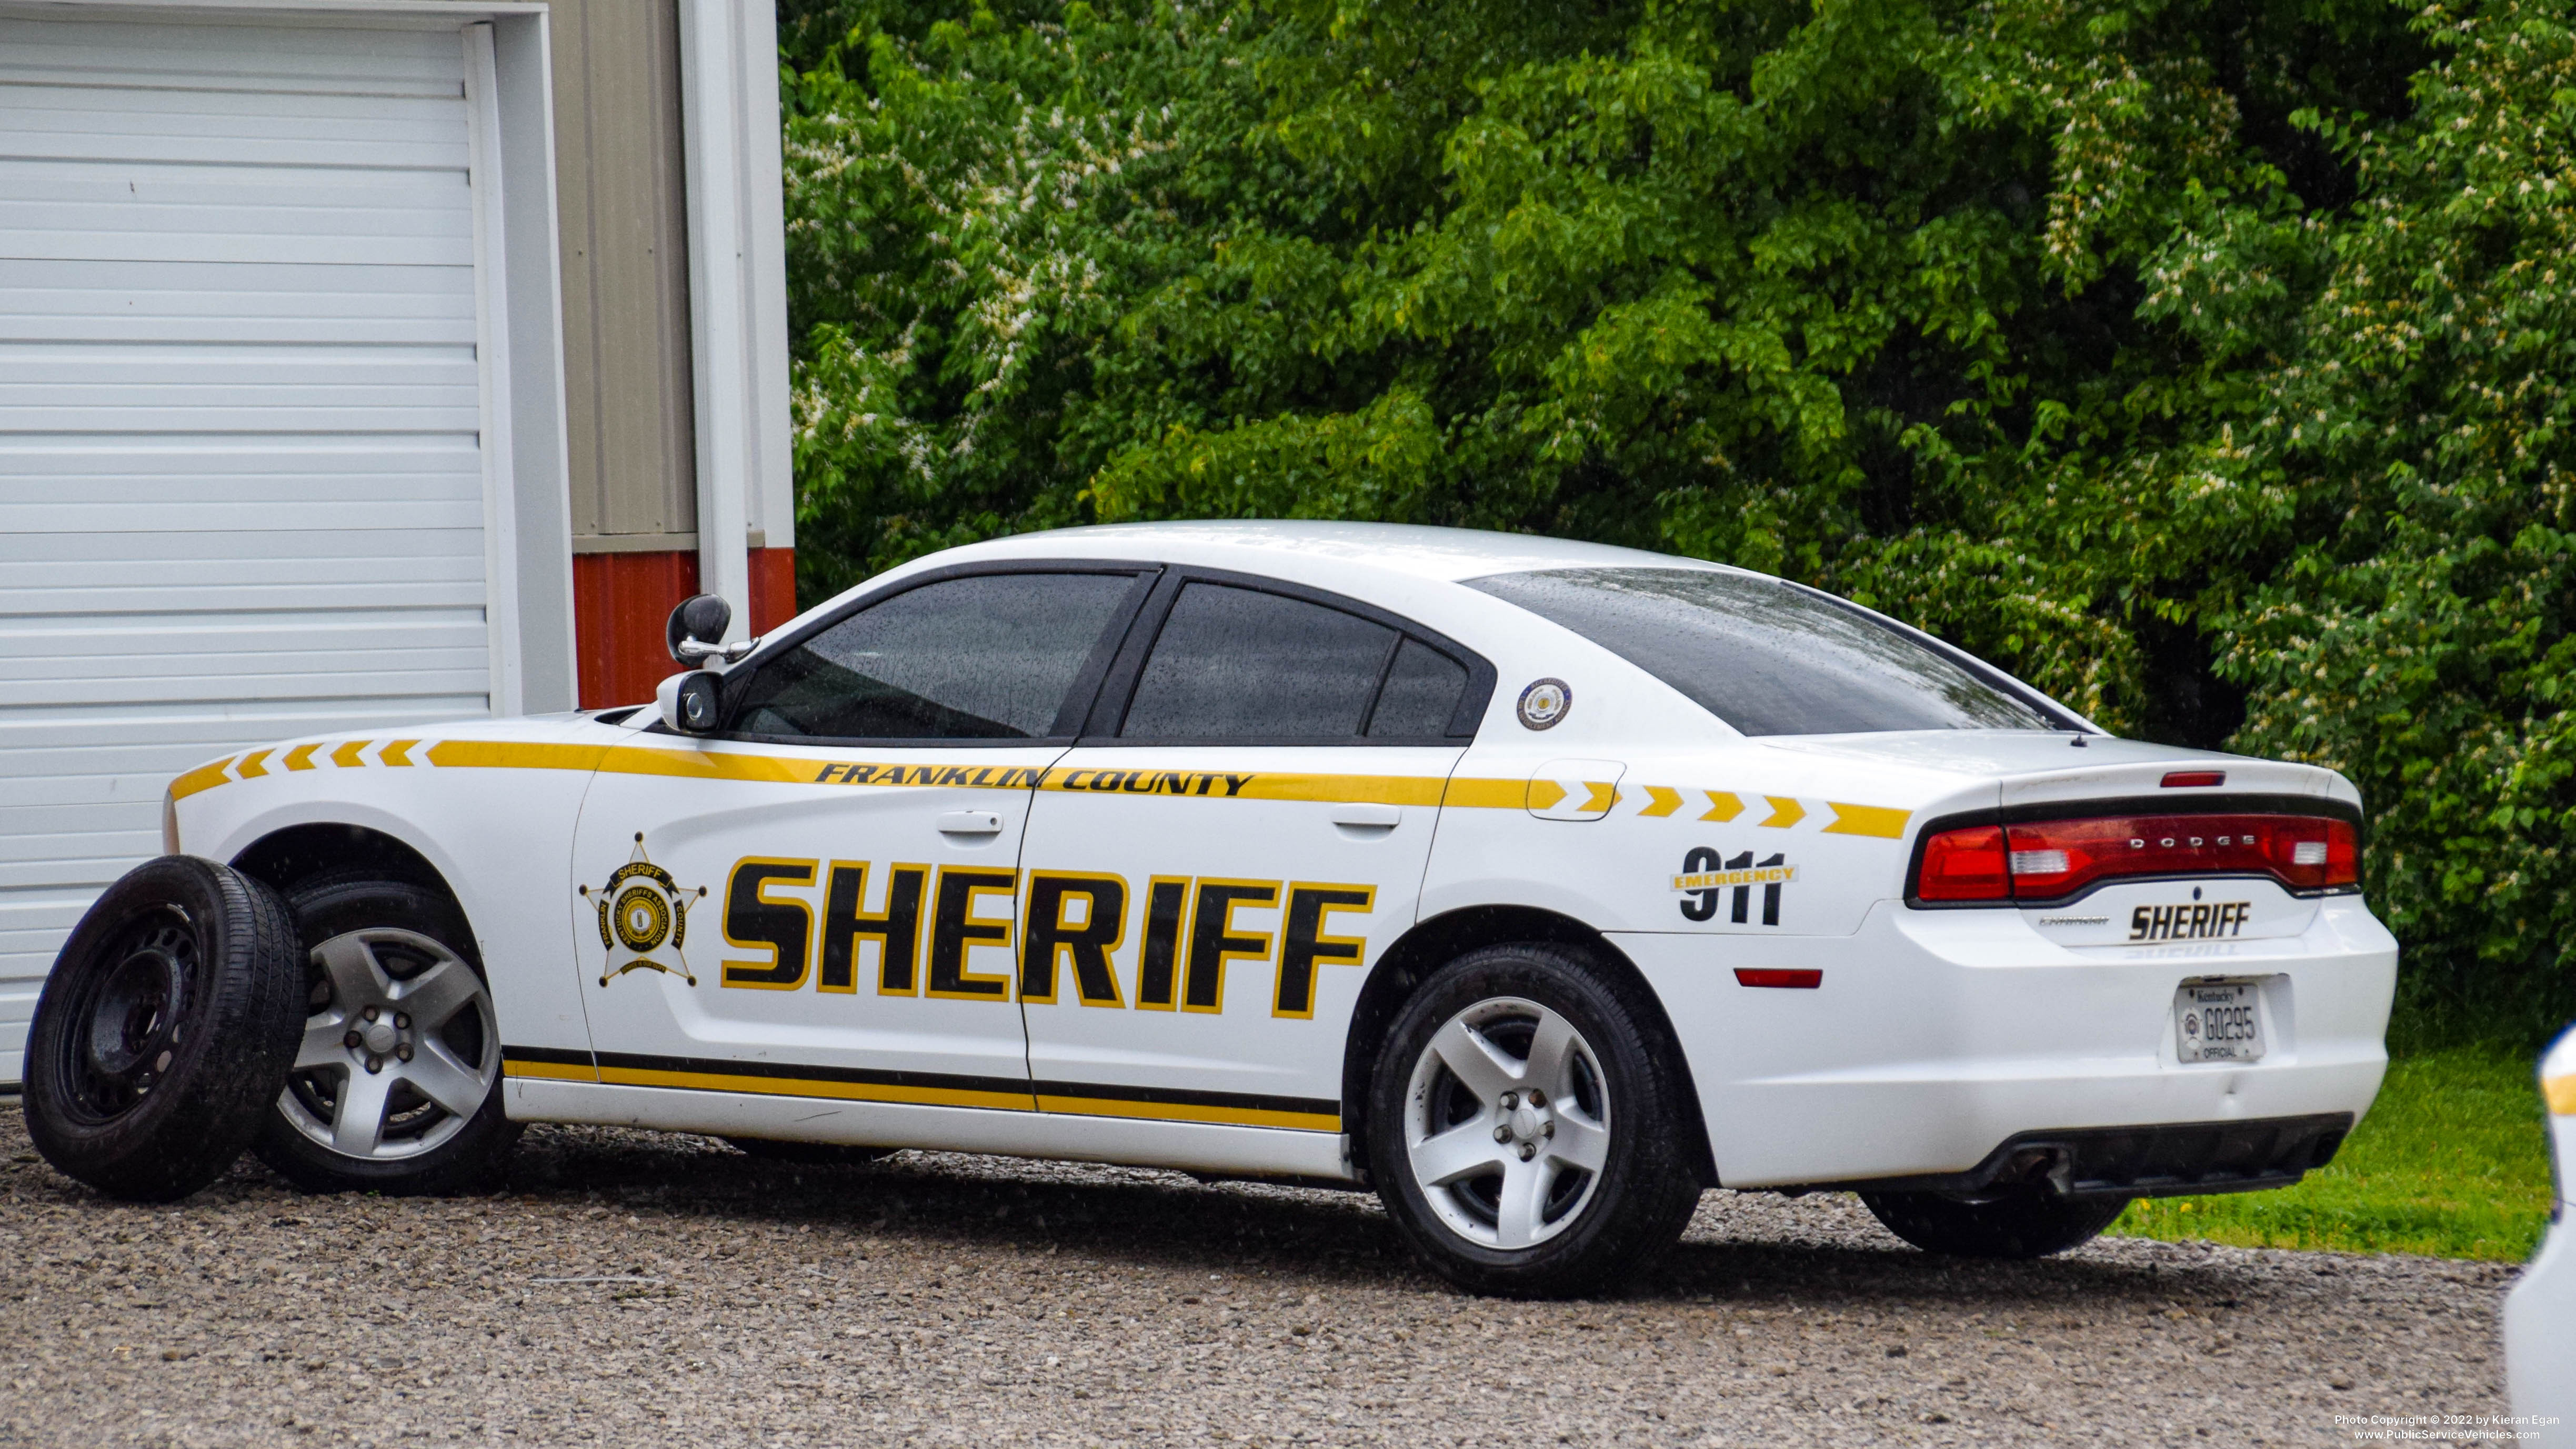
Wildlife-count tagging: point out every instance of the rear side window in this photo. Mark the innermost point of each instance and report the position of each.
(1245, 663)
(1237, 663)
(1420, 696)
(1767, 658)
(985, 657)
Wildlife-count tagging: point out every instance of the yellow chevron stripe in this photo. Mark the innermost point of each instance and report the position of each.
(205, 777)
(1466, 793)
(1875, 820)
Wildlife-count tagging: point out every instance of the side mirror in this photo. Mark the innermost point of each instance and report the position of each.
(692, 702)
(697, 628)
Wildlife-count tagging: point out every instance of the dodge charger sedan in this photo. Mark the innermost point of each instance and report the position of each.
(1534, 885)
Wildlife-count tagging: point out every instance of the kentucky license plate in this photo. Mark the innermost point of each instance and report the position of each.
(2218, 1021)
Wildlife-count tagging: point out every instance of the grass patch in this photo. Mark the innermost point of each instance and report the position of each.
(2453, 1160)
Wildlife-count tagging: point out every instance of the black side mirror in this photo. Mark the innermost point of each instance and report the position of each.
(701, 620)
(692, 703)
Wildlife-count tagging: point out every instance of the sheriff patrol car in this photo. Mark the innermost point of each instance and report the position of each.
(1534, 884)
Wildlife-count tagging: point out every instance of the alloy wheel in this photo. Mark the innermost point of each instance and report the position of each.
(1507, 1123)
(401, 1048)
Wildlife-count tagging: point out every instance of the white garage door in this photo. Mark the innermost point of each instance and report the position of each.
(241, 495)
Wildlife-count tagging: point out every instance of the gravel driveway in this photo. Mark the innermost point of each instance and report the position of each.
(634, 1289)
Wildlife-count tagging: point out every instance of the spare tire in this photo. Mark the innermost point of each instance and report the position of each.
(166, 1030)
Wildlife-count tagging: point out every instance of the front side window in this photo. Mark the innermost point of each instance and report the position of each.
(1767, 658)
(984, 657)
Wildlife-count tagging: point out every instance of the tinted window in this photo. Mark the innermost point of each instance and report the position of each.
(990, 656)
(1420, 696)
(1238, 663)
(1764, 657)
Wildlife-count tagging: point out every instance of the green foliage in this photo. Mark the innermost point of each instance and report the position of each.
(2202, 363)
(2418, 637)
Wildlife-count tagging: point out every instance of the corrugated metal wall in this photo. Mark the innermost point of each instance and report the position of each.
(620, 178)
(241, 478)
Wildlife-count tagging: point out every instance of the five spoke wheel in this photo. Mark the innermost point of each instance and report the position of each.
(1526, 1127)
(1508, 1123)
(400, 1051)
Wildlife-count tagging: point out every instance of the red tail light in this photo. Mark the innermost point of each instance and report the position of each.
(2052, 859)
(1965, 865)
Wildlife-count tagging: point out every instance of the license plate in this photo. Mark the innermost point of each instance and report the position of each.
(2219, 1021)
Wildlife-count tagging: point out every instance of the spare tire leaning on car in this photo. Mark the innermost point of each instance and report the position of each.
(166, 1030)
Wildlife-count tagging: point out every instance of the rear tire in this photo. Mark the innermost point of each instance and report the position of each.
(396, 1083)
(163, 1033)
(1526, 1125)
(2030, 1224)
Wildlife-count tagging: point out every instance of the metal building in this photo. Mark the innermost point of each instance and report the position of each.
(362, 362)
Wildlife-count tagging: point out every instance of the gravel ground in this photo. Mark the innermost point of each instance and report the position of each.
(634, 1288)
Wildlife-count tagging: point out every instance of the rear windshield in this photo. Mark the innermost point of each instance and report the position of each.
(1764, 657)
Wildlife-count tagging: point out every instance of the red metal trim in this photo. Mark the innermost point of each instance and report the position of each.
(620, 602)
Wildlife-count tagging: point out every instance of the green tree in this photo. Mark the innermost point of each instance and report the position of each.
(2200, 360)
(2420, 636)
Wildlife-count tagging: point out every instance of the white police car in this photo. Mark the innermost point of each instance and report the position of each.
(1536, 884)
(2540, 1313)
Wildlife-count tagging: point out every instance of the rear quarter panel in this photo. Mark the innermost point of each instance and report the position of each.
(1671, 793)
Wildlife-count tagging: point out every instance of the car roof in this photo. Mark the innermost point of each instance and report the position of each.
(1411, 550)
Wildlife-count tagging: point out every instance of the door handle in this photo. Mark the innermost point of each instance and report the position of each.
(1368, 817)
(970, 822)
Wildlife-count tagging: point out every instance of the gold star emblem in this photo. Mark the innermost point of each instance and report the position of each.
(642, 914)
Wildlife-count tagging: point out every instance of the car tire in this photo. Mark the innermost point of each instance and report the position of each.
(162, 1035)
(2031, 1224)
(1501, 1192)
(808, 1154)
(396, 1083)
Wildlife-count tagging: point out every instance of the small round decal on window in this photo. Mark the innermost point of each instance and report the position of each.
(1545, 702)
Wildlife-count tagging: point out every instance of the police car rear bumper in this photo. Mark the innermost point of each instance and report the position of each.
(2160, 1160)
(1935, 1042)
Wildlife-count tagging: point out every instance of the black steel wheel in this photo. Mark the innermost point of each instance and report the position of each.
(164, 1031)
